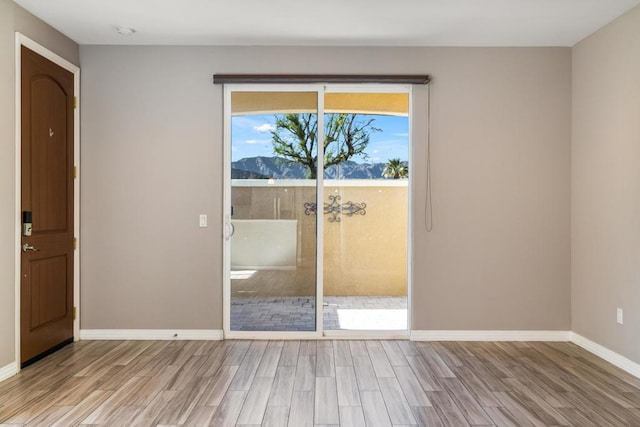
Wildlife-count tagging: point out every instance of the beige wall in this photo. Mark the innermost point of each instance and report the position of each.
(14, 18)
(7, 185)
(499, 253)
(606, 186)
(498, 256)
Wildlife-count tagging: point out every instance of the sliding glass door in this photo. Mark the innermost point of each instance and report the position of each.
(315, 233)
(271, 242)
(366, 181)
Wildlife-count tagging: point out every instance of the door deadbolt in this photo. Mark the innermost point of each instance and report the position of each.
(27, 223)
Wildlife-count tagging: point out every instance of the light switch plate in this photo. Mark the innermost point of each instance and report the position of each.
(203, 220)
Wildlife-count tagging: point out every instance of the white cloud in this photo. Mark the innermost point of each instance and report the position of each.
(265, 128)
(256, 141)
(401, 134)
(244, 122)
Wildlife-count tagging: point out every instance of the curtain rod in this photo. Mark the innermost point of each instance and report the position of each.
(320, 78)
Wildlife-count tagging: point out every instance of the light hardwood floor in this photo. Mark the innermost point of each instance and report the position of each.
(307, 383)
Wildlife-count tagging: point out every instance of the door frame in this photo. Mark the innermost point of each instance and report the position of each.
(22, 40)
(319, 333)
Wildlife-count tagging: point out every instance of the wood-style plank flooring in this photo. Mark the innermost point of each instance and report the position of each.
(320, 383)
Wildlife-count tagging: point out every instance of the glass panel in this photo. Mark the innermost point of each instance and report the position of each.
(273, 193)
(366, 211)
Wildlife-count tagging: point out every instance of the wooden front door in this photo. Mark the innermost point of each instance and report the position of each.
(46, 297)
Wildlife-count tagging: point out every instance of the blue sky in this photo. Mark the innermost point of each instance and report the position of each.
(251, 137)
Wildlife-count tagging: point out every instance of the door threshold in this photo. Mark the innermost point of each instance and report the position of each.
(46, 353)
(366, 335)
(328, 335)
(271, 335)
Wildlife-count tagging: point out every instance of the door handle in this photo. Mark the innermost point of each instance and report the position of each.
(229, 230)
(27, 247)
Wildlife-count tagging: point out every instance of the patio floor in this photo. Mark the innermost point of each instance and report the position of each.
(297, 313)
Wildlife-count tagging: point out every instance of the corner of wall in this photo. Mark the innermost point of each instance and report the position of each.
(8, 371)
(7, 186)
(604, 172)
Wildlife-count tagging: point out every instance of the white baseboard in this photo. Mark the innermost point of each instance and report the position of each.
(429, 335)
(152, 334)
(8, 371)
(490, 335)
(610, 356)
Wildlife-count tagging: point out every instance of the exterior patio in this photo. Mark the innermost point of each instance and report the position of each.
(373, 313)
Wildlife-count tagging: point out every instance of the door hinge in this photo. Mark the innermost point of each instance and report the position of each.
(75, 243)
(75, 313)
(75, 172)
(75, 102)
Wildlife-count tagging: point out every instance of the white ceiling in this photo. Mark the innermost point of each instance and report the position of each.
(331, 22)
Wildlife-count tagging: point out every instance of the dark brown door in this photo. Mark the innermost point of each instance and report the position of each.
(46, 296)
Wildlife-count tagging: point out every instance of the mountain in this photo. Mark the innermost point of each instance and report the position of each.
(353, 170)
(246, 174)
(267, 167)
(279, 168)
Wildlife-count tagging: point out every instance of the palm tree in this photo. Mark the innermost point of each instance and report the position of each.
(396, 169)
